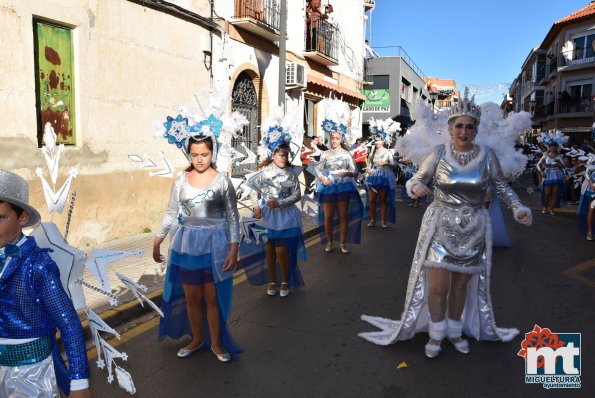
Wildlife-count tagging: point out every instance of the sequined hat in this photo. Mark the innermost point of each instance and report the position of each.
(465, 107)
(14, 189)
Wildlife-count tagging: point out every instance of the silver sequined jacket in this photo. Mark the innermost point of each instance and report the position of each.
(218, 200)
(336, 161)
(381, 155)
(273, 182)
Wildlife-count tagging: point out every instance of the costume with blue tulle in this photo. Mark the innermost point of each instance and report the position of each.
(554, 175)
(587, 199)
(382, 178)
(333, 163)
(203, 223)
(283, 225)
(499, 233)
(33, 304)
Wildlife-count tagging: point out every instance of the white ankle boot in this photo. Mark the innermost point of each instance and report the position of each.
(437, 332)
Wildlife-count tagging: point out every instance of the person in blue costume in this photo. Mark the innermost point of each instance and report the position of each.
(552, 190)
(279, 191)
(499, 233)
(381, 182)
(586, 207)
(33, 305)
(338, 196)
(203, 219)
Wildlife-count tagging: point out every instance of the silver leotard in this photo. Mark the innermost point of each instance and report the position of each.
(217, 201)
(336, 161)
(273, 182)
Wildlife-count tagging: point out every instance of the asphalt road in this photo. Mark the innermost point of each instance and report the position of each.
(306, 345)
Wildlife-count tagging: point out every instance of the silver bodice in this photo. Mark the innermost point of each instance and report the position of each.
(381, 155)
(218, 200)
(547, 162)
(335, 161)
(457, 185)
(273, 182)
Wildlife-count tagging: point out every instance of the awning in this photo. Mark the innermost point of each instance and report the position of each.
(575, 129)
(336, 88)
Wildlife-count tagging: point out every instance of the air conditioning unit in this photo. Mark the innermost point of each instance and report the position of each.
(296, 76)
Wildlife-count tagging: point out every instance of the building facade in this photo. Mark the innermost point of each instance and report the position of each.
(556, 79)
(396, 84)
(105, 73)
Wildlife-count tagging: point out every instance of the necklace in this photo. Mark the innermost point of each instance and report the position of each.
(464, 158)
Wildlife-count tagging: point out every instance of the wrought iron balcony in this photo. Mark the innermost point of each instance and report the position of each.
(261, 17)
(584, 104)
(552, 67)
(322, 43)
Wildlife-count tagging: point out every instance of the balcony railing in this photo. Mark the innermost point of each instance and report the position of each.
(541, 72)
(261, 17)
(584, 104)
(322, 42)
(578, 56)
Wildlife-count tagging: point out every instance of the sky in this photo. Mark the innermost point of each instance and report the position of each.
(478, 43)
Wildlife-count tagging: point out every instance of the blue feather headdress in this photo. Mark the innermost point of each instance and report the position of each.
(280, 128)
(337, 116)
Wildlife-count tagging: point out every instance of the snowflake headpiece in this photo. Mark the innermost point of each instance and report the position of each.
(558, 138)
(213, 122)
(385, 129)
(465, 107)
(279, 128)
(336, 119)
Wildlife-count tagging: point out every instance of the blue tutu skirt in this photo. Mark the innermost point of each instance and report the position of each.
(583, 210)
(197, 252)
(284, 229)
(378, 180)
(346, 190)
(554, 177)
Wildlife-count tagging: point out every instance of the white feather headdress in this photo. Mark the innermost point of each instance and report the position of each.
(280, 128)
(384, 129)
(336, 118)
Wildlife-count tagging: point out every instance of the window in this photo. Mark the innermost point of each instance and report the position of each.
(380, 82)
(580, 92)
(54, 80)
(583, 47)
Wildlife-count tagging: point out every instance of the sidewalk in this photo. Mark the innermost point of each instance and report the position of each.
(142, 270)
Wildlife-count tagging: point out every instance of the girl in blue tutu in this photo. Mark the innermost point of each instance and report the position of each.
(381, 182)
(202, 217)
(339, 201)
(586, 208)
(276, 190)
(551, 168)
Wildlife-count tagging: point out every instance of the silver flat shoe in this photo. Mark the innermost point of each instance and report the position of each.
(284, 292)
(432, 350)
(225, 357)
(328, 248)
(183, 352)
(344, 248)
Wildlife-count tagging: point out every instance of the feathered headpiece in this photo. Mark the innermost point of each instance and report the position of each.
(279, 128)
(336, 117)
(385, 129)
(465, 107)
(213, 122)
(558, 138)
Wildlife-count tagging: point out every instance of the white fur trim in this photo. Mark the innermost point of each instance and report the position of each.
(527, 210)
(437, 330)
(455, 328)
(409, 185)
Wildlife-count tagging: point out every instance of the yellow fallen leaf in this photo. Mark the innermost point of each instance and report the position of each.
(402, 365)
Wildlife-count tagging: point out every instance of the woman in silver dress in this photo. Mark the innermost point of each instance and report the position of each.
(202, 216)
(448, 292)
